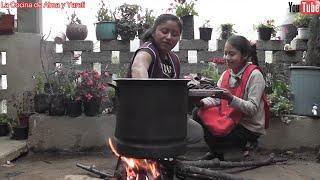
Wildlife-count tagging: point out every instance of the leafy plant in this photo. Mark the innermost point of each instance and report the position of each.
(104, 14)
(227, 30)
(206, 24)
(280, 103)
(126, 21)
(211, 72)
(302, 21)
(183, 8)
(93, 84)
(4, 118)
(73, 19)
(145, 22)
(39, 83)
(267, 24)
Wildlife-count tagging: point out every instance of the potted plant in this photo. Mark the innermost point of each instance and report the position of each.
(41, 99)
(126, 21)
(76, 30)
(6, 23)
(185, 10)
(266, 29)
(92, 90)
(302, 23)
(226, 30)
(145, 22)
(106, 26)
(304, 79)
(69, 88)
(205, 31)
(4, 124)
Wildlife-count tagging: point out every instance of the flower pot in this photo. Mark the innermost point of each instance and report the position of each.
(24, 119)
(57, 105)
(205, 33)
(41, 103)
(4, 129)
(187, 27)
(264, 33)
(106, 30)
(76, 32)
(6, 24)
(303, 33)
(60, 38)
(74, 108)
(92, 107)
(20, 133)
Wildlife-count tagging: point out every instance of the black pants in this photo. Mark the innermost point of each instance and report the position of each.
(237, 138)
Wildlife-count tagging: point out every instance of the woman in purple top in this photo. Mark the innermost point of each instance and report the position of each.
(154, 58)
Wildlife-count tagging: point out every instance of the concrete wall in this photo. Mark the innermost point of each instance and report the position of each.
(23, 61)
(53, 133)
(63, 133)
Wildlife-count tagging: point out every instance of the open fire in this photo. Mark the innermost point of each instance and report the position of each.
(138, 169)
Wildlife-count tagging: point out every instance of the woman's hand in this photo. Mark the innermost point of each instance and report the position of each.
(225, 94)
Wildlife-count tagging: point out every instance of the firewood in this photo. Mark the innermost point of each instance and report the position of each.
(216, 163)
(209, 174)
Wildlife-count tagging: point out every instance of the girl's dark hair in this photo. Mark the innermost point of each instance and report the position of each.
(163, 18)
(243, 45)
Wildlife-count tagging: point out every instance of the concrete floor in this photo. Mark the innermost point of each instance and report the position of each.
(302, 165)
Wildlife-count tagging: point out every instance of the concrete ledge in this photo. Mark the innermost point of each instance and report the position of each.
(76, 45)
(299, 44)
(272, 45)
(293, 132)
(11, 149)
(196, 44)
(115, 45)
(63, 133)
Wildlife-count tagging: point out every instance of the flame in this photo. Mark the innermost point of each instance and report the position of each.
(135, 166)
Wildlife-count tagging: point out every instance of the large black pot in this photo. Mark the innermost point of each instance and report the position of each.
(152, 117)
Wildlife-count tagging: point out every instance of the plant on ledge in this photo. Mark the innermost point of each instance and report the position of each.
(266, 29)
(75, 29)
(126, 21)
(93, 90)
(183, 8)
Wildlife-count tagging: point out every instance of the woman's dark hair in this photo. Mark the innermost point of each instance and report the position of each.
(243, 45)
(163, 18)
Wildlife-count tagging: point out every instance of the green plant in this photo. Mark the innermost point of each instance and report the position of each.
(302, 21)
(4, 118)
(126, 20)
(73, 19)
(211, 72)
(227, 30)
(145, 22)
(280, 103)
(206, 24)
(39, 83)
(183, 8)
(104, 14)
(93, 84)
(267, 24)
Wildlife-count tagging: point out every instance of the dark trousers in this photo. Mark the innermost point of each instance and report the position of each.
(237, 138)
